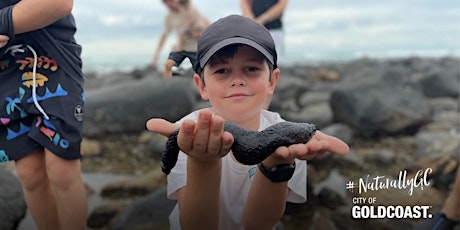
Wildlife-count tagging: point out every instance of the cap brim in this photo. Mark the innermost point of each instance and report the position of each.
(230, 41)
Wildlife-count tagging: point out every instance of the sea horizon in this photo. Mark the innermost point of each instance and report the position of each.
(121, 64)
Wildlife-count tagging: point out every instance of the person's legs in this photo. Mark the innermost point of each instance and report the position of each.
(167, 73)
(39, 197)
(54, 191)
(65, 180)
(174, 59)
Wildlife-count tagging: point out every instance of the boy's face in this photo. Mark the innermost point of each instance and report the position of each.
(238, 86)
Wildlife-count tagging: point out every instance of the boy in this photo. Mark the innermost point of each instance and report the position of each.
(41, 109)
(236, 71)
(188, 23)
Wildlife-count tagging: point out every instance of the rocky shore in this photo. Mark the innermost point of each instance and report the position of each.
(401, 118)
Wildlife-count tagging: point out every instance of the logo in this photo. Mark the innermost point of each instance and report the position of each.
(78, 113)
(366, 208)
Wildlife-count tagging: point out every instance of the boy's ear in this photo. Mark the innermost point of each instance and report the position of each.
(201, 86)
(273, 80)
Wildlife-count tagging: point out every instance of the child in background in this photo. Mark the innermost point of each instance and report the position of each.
(188, 23)
(41, 109)
(236, 71)
(268, 13)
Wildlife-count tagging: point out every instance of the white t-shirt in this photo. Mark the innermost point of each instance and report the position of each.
(235, 182)
(178, 21)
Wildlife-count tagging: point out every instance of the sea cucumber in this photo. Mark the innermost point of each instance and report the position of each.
(249, 147)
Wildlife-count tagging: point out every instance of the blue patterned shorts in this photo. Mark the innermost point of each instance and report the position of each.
(51, 117)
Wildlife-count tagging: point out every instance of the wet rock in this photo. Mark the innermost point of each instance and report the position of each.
(380, 109)
(149, 212)
(124, 108)
(12, 204)
(341, 131)
(382, 156)
(135, 187)
(101, 216)
(91, 147)
(436, 143)
(334, 183)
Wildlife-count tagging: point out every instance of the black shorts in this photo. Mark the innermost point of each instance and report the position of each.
(179, 57)
(52, 119)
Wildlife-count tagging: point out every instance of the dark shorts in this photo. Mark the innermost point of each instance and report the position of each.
(23, 127)
(179, 57)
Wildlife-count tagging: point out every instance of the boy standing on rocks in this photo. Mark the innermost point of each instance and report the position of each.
(236, 71)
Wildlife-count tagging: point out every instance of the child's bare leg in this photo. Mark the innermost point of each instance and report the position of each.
(65, 180)
(452, 204)
(54, 191)
(168, 68)
(39, 197)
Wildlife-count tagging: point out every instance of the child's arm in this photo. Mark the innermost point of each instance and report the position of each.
(205, 143)
(273, 13)
(246, 9)
(30, 15)
(3, 40)
(266, 200)
(160, 45)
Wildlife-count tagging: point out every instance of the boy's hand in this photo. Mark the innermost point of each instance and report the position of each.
(319, 144)
(204, 140)
(3, 40)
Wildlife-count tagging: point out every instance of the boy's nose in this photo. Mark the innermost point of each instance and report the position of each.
(238, 79)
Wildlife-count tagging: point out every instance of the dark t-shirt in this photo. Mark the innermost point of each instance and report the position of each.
(57, 39)
(260, 6)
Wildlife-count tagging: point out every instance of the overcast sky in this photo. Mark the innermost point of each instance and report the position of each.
(116, 27)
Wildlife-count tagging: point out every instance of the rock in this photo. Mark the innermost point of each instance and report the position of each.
(441, 82)
(319, 114)
(341, 131)
(91, 147)
(125, 108)
(140, 186)
(101, 216)
(382, 156)
(436, 143)
(380, 109)
(310, 98)
(149, 212)
(443, 169)
(334, 184)
(12, 204)
(325, 74)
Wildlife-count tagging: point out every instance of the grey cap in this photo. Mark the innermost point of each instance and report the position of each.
(234, 29)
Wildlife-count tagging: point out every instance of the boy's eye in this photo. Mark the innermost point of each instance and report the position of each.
(251, 69)
(221, 71)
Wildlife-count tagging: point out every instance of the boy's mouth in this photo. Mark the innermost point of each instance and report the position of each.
(237, 95)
